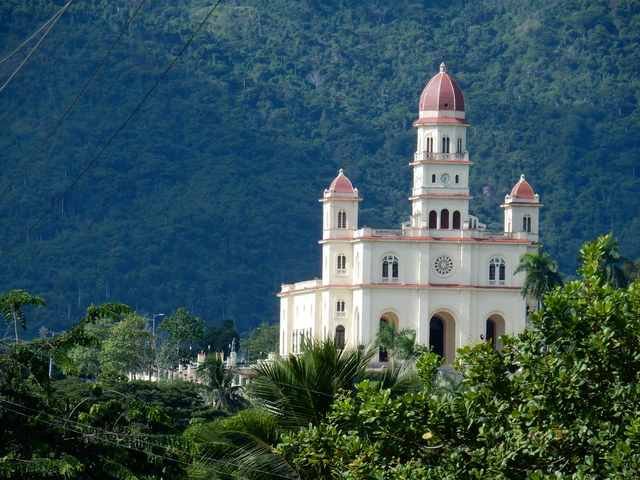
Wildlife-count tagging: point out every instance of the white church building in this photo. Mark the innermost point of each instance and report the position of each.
(441, 274)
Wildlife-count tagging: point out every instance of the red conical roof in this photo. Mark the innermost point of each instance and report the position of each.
(522, 190)
(442, 93)
(341, 184)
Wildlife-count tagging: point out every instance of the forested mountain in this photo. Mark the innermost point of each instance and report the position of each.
(209, 198)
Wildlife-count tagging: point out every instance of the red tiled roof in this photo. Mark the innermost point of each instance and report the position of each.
(439, 120)
(442, 93)
(523, 190)
(341, 184)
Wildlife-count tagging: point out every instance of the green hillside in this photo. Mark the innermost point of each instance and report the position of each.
(209, 198)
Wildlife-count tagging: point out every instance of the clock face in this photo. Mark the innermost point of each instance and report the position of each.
(444, 178)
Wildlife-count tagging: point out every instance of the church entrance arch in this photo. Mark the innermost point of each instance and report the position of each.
(494, 329)
(387, 319)
(442, 338)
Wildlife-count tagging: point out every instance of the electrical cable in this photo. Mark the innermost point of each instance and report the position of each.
(132, 114)
(19, 47)
(135, 440)
(35, 47)
(96, 73)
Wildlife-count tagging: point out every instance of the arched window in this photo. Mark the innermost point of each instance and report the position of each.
(459, 147)
(497, 271)
(456, 220)
(526, 223)
(445, 144)
(429, 145)
(433, 219)
(390, 269)
(339, 337)
(342, 219)
(433, 178)
(444, 218)
(340, 308)
(342, 263)
(457, 178)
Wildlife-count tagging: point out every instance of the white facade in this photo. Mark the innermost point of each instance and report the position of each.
(441, 274)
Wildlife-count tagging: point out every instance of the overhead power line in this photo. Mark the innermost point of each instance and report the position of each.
(35, 47)
(131, 115)
(46, 144)
(117, 439)
(31, 37)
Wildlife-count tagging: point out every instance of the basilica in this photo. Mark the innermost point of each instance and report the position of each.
(442, 274)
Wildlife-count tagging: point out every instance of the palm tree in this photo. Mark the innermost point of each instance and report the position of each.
(11, 304)
(400, 344)
(299, 390)
(219, 380)
(542, 275)
(611, 262)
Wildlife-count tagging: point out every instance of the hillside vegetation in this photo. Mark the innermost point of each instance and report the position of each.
(209, 198)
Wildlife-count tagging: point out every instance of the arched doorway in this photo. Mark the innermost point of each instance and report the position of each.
(387, 319)
(494, 329)
(442, 335)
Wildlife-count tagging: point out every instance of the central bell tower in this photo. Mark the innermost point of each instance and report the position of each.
(440, 193)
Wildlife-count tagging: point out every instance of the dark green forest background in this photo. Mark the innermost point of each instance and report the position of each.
(209, 198)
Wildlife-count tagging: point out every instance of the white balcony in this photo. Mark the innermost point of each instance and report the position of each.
(440, 157)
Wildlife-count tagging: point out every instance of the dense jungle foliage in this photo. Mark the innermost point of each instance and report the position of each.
(559, 400)
(209, 198)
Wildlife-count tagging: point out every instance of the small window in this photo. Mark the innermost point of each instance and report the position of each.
(340, 308)
(433, 219)
(342, 263)
(526, 223)
(342, 219)
(456, 220)
(444, 218)
(429, 145)
(339, 338)
(433, 178)
(390, 270)
(457, 178)
(445, 144)
(459, 146)
(497, 271)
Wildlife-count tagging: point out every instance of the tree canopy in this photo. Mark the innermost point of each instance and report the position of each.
(208, 199)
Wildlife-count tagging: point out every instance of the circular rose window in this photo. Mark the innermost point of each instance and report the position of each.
(443, 265)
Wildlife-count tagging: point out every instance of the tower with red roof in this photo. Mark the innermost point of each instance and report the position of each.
(440, 193)
(521, 210)
(443, 274)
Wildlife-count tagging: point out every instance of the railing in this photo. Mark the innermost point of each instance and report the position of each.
(439, 156)
(377, 232)
(480, 232)
(390, 280)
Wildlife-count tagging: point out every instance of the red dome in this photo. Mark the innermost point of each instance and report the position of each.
(442, 93)
(341, 184)
(522, 190)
